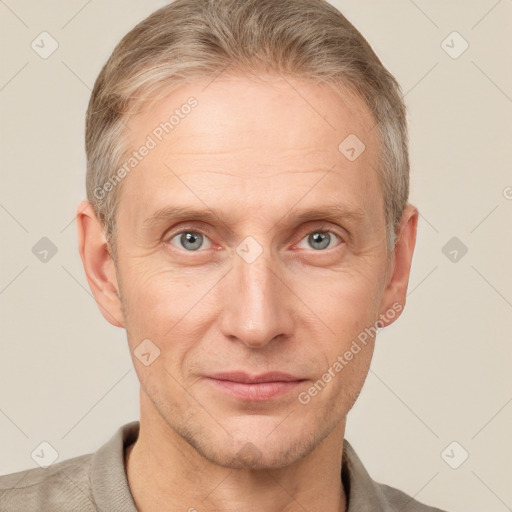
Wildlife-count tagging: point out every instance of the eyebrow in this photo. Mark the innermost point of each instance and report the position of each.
(334, 212)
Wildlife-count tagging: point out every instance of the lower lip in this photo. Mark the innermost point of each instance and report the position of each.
(258, 391)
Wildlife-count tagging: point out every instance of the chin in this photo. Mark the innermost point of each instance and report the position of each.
(254, 448)
(249, 456)
(248, 439)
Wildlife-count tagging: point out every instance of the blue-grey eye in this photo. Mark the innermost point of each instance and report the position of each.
(190, 240)
(319, 240)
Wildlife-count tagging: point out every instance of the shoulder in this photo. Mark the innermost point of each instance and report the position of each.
(402, 502)
(368, 494)
(87, 483)
(63, 486)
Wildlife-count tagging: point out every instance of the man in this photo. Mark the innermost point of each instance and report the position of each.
(247, 223)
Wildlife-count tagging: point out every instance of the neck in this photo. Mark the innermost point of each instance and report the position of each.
(165, 473)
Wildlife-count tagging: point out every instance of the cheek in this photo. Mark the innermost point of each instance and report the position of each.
(172, 309)
(346, 301)
(156, 299)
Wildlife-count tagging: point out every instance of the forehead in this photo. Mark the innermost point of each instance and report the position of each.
(237, 112)
(256, 140)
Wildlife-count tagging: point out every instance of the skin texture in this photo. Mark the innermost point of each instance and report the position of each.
(257, 154)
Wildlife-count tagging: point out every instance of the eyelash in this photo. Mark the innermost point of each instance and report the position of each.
(320, 229)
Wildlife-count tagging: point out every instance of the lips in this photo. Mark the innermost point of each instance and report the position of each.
(261, 387)
(251, 379)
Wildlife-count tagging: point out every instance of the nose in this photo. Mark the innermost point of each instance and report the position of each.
(256, 304)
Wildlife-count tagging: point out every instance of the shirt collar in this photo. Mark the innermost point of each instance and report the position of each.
(108, 475)
(362, 492)
(111, 490)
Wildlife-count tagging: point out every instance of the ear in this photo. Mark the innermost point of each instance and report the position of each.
(394, 297)
(98, 263)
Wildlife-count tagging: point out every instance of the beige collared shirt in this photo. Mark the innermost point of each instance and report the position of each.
(97, 482)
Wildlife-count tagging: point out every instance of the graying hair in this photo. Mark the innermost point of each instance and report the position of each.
(189, 40)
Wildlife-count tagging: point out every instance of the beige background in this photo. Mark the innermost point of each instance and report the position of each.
(440, 374)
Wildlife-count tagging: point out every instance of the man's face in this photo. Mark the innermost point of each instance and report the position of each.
(250, 286)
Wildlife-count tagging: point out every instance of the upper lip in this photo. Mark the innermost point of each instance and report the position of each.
(252, 379)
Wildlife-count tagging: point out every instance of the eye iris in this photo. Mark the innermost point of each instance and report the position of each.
(195, 239)
(320, 238)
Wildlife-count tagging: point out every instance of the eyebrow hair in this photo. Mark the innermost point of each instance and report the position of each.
(333, 212)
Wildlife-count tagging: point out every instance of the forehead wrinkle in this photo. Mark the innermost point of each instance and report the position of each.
(244, 175)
